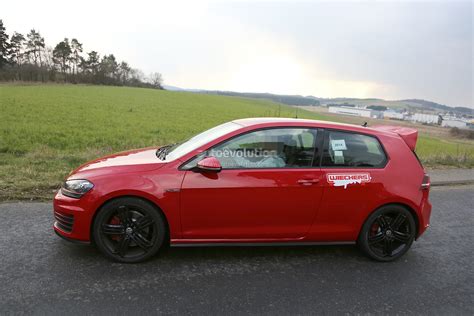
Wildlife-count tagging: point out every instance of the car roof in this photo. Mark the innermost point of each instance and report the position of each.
(280, 121)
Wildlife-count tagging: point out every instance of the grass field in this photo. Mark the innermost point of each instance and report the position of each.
(47, 130)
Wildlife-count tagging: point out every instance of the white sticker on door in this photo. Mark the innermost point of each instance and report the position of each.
(344, 179)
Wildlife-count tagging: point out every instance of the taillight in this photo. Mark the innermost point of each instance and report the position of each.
(425, 185)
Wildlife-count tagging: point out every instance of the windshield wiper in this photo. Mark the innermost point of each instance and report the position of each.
(163, 151)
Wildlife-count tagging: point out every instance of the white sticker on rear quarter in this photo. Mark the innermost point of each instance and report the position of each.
(344, 179)
(338, 144)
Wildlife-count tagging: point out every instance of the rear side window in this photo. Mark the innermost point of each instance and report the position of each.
(352, 150)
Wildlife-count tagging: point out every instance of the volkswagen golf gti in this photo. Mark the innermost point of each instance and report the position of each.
(253, 181)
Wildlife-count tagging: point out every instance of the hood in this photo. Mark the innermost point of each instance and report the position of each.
(127, 161)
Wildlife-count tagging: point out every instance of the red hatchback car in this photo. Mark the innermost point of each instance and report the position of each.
(253, 181)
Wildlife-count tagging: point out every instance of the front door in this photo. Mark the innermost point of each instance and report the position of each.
(267, 188)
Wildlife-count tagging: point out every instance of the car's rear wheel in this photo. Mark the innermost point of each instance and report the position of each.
(129, 230)
(388, 233)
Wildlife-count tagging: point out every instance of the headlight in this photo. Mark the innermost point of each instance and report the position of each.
(76, 188)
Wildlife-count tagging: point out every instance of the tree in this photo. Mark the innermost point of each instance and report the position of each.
(136, 77)
(4, 46)
(91, 64)
(124, 72)
(16, 48)
(109, 67)
(62, 55)
(28, 58)
(377, 107)
(35, 45)
(76, 50)
(156, 80)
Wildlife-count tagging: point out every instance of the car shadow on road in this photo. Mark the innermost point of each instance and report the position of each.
(257, 252)
(196, 254)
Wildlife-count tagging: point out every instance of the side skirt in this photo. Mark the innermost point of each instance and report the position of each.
(259, 244)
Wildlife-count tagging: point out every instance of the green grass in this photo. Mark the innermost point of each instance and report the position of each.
(47, 130)
(436, 152)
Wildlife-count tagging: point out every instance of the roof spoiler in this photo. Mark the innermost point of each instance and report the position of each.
(409, 135)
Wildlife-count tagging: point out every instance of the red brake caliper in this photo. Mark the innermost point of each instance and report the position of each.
(115, 221)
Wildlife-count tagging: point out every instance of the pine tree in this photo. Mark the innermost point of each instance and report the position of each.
(35, 45)
(76, 50)
(16, 47)
(62, 55)
(4, 46)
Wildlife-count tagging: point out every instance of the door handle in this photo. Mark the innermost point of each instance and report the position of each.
(308, 181)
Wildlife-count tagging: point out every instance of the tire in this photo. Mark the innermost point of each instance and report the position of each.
(129, 230)
(388, 233)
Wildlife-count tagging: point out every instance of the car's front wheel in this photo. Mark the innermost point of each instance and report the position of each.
(129, 230)
(387, 233)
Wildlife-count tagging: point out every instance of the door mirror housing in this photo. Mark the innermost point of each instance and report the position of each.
(209, 164)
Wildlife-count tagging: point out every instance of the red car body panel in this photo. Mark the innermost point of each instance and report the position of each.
(253, 205)
(219, 204)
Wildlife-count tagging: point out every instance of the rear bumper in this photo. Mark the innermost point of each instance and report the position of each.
(425, 217)
(73, 218)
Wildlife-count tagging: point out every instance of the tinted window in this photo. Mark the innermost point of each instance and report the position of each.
(352, 150)
(269, 148)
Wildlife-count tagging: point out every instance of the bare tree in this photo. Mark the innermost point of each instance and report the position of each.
(156, 80)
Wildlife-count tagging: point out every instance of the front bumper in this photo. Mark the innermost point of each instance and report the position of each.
(74, 241)
(73, 218)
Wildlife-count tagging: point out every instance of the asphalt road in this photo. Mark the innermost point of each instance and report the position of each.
(40, 273)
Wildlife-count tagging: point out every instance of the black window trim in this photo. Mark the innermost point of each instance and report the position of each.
(326, 144)
(318, 144)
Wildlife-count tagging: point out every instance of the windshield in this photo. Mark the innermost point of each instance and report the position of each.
(199, 140)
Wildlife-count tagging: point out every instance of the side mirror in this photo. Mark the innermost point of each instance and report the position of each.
(209, 164)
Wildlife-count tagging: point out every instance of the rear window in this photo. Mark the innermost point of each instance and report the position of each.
(352, 150)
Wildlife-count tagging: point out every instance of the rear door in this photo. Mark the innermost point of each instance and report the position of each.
(267, 189)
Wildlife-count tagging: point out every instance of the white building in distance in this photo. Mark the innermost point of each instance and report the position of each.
(347, 110)
(426, 118)
(453, 122)
(393, 115)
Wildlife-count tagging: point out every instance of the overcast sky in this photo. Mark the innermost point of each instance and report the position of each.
(391, 50)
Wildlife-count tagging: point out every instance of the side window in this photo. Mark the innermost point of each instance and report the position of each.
(268, 148)
(352, 150)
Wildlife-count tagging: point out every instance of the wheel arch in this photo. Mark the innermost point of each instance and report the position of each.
(136, 196)
(404, 205)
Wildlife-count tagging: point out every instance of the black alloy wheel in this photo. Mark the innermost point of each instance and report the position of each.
(388, 233)
(129, 230)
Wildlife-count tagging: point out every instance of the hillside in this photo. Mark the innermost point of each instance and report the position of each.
(299, 100)
(47, 130)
